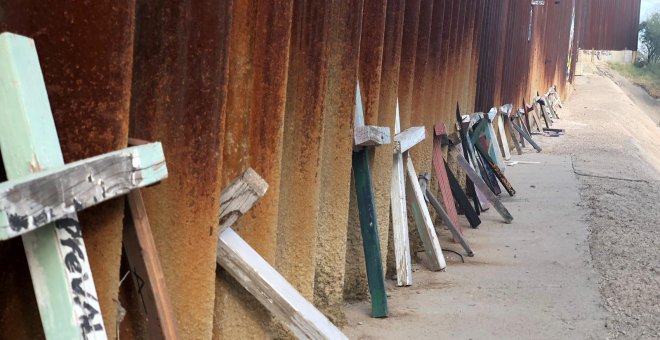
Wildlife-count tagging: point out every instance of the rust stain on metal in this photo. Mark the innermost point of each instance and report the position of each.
(408, 57)
(179, 87)
(261, 36)
(303, 127)
(336, 146)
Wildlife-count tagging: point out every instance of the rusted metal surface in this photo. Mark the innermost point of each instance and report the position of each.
(343, 51)
(87, 67)
(408, 57)
(261, 34)
(388, 98)
(271, 85)
(178, 97)
(609, 24)
(303, 127)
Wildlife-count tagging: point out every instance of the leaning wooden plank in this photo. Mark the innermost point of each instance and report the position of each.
(35, 200)
(255, 274)
(273, 290)
(449, 223)
(491, 139)
(371, 135)
(491, 165)
(400, 217)
(56, 253)
(146, 270)
(441, 175)
(423, 221)
(405, 140)
(503, 141)
(462, 130)
(509, 126)
(483, 202)
(527, 137)
(369, 229)
(462, 199)
(480, 183)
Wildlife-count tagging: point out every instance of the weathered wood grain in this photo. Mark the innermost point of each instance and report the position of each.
(527, 137)
(255, 274)
(509, 126)
(57, 257)
(272, 290)
(240, 196)
(458, 236)
(35, 200)
(146, 270)
(441, 175)
(369, 230)
(423, 221)
(480, 183)
(370, 135)
(400, 216)
(503, 140)
(405, 140)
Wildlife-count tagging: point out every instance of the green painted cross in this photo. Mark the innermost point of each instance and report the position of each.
(40, 200)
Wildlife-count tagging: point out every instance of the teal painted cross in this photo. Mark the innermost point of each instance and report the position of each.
(40, 200)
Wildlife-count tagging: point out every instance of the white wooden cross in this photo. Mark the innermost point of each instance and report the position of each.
(255, 274)
(403, 142)
(40, 200)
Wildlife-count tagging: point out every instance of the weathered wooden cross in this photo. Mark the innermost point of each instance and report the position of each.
(403, 142)
(255, 274)
(42, 196)
(367, 207)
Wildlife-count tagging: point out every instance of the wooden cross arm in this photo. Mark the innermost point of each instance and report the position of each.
(35, 200)
(370, 135)
(256, 275)
(405, 140)
(239, 197)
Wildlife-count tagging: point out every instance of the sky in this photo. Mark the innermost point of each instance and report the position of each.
(649, 7)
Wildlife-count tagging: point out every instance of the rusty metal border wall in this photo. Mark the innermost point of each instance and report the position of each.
(271, 85)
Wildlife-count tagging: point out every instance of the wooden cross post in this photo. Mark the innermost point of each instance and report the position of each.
(255, 274)
(463, 163)
(453, 227)
(442, 170)
(403, 142)
(400, 215)
(441, 174)
(40, 201)
(146, 270)
(367, 210)
(488, 162)
(506, 119)
(503, 140)
(492, 140)
(480, 201)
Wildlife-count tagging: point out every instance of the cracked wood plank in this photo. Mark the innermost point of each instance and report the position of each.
(56, 254)
(35, 200)
(423, 221)
(400, 215)
(255, 274)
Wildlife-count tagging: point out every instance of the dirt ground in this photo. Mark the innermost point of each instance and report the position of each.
(580, 260)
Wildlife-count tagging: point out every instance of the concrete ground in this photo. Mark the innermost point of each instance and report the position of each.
(580, 260)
